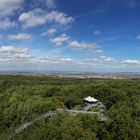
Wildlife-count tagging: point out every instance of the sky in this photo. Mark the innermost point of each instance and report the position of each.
(70, 35)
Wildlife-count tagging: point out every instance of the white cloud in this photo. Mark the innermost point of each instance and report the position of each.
(97, 32)
(20, 36)
(6, 23)
(50, 4)
(99, 51)
(57, 60)
(50, 32)
(33, 18)
(60, 40)
(138, 37)
(106, 59)
(17, 57)
(12, 49)
(82, 45)
(12, 54)
(59, 17)
(8, 7)
(39, 17)
(97, 61)
(131, 62)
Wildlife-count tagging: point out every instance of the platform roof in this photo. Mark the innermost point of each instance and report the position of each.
(90, 99)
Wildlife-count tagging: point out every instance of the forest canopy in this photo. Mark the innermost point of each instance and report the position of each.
(24, 98)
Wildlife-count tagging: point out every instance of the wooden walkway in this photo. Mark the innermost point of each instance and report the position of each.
(50, 113)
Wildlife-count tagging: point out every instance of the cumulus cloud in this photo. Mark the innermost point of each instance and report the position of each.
(131, 62)
(57, 60)
(50, 4)
(105, 59)
(8, 7)
(17, 56)
(20, 36)
(14, 54)
(6, 23)
(12, 49)
(97, 32)
(82, 45)
(59, 17)
(138, 37)
(60, 39)
(22, 57)
(99, 51)
(100, 60)
(39, 17)
(50, 32)
(32, 18)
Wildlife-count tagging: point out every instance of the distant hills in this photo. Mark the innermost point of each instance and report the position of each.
(73, 74)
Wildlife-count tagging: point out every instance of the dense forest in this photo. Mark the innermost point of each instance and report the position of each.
(24, 98)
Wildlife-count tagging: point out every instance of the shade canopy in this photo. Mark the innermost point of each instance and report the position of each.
(90, 99)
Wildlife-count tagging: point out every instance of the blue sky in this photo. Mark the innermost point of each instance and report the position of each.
(70, 35)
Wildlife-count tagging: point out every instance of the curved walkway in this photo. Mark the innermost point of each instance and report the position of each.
(50, 113)
(27, 124)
